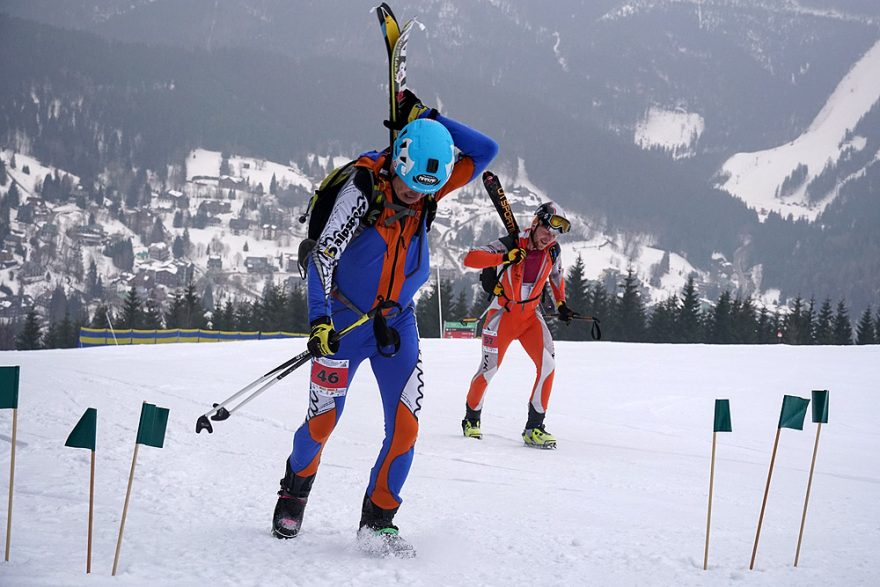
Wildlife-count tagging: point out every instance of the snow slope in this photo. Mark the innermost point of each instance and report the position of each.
(755, 177)
(621, 502)
(674, 130)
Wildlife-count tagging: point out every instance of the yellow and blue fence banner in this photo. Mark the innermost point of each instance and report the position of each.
(89, 337)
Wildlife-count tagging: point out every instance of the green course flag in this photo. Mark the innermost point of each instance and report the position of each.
(151, 429)
(722, 415)
(794, 409)
(820, 406)
(83, 434)
(9, 387)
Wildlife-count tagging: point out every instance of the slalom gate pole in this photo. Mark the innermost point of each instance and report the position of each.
(91, 515)
(11, 482)
(125, 508)
(797, 553)
(764, 502)
(709, 515)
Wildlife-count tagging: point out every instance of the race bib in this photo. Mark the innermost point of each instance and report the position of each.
(490, 342)
(329, 377)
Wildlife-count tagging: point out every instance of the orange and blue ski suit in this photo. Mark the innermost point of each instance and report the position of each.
(353, 266)
(515, 315)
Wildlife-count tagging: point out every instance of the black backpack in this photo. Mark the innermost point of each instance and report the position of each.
(489, 276)
(321, 205)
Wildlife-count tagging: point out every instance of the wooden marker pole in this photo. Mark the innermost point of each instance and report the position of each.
(764, 502)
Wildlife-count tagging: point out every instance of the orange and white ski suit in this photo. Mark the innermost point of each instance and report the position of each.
(515, 315)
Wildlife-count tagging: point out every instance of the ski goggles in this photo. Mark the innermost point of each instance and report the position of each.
(557, 223)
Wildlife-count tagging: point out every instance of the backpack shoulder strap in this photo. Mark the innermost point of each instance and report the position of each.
(509, 241)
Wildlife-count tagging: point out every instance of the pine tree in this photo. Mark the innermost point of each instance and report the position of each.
(52, 337)
(598, 305)
(793, 329)
(157, 234)
(3, 176)
(458, 309)
(57, 305)
(877, 326)
(68, 334)
(224, 164)
(152, 315)
(745, 322)
(228, 319)
(824, 331)
(576, 292)
(843, 333)
(174, 316)
(865, 328)
(177, 247)
(30, 337)
(808, 323)
(720, 321)
(244, 317)
(688, 320)
(764, 328)
(631, 314)
(661, 324)
(192, 308)
(76, 260)
(131, 311)
(427, 314)
(274, 306)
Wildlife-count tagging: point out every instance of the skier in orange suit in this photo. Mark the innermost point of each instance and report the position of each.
(526, 263)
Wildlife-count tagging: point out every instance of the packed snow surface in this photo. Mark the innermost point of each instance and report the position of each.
(622, 501)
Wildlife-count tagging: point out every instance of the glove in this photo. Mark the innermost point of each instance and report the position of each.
(514, 256)
(323, 340)
(565, 313)
(408, 109)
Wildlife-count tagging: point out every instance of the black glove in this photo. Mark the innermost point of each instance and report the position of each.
(514, 256)
(565, 313)
(408, 109)
(323, 340)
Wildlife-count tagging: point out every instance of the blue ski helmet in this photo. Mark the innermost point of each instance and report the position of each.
(423, 155)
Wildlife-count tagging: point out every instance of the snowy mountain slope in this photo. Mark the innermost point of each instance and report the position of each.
(621, 502)
(757, 178)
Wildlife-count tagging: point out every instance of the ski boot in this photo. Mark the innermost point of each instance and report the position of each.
(378, 537)
(292, 497)
(534, 434)
(538, 437)
(470, 426)
(471, 429)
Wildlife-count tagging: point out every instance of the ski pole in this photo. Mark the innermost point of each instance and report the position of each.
(220, 412)
(595, 331)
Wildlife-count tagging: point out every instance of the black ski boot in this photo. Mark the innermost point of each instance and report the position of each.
(377, 536)
(292, 498)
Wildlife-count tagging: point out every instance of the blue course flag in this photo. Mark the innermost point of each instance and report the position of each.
(722, 415)
(151, 429)
(8, 387)
(83, 434)
(820, 406)
(794, 409)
